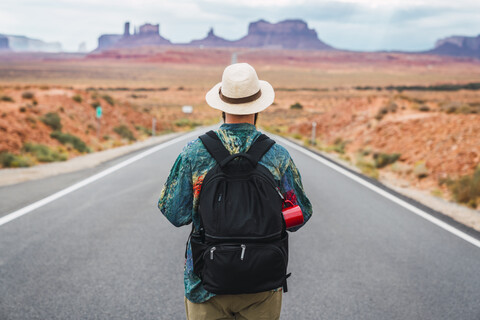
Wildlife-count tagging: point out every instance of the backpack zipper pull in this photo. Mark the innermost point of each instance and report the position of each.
(243, 251)
(211, 252)
(279, 193)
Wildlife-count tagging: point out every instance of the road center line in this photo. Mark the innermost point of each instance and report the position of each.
(17, 214)
(385, 194)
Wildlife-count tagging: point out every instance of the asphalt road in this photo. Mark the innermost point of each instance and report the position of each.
(104, 251)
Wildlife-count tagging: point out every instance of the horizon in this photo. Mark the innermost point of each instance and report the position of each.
(357, 25)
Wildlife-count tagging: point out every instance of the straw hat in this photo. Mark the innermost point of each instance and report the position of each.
(240, 91)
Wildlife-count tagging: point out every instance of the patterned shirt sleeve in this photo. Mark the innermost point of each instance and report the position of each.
(176, 199)
(292, 189)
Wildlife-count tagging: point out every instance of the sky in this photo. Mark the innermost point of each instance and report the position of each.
(365, 25)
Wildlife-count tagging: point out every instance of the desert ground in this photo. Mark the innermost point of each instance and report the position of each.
(411, 119)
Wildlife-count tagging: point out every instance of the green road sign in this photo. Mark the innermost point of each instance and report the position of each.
(99, 112)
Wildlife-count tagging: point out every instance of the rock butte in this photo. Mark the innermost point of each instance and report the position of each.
(287, 34)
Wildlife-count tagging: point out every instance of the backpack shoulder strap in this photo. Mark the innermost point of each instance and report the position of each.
(260, 147)
(214, 146)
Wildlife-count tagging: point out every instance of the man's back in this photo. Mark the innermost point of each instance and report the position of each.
(180, 196)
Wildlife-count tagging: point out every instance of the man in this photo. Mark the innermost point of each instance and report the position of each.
(241, 96)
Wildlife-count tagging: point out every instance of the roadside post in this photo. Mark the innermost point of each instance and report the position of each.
(314, 131)
(98, 116)
(154, 125)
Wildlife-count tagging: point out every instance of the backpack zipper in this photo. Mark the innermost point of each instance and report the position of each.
(279, 193)
(243, 251)
(244, 248)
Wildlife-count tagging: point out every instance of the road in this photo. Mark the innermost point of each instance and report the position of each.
(104, 251)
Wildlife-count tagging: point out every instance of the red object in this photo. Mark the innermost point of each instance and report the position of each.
(293, 215)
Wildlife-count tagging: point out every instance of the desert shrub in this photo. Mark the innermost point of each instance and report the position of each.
(460, 108)
(474, 108)
(440, 87)
(109, 99)
(22, 109)
(381, 113)
(451, 107)
(44, 87)
(31, 120)
(184, 122)
(10, 160)
(364, 88)
(297, 136)
(6, 98)
(391, 107)
(368, 169)
(95, 104)
(52, 119)
(144, 130)
(77, 98)
(364, 152)
(43, 153)
(315, 143)
(70, 139)
(424, 108)
(124, 132)
(384, 159)
(466, 189)
(296, 106)
(277, 129)
(339, 145)
(437, 193)
(420, 170)
(27, 95)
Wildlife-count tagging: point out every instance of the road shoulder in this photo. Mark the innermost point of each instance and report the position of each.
(11, 176)
(458, 216)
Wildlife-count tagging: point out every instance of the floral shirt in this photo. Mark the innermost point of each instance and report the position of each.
(181, 193)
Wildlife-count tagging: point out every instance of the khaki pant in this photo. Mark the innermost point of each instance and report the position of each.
(254, 306)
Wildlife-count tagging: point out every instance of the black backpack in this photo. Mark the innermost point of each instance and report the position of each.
(242, 243)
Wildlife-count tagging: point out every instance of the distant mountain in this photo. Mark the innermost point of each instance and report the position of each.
(287, 34)
(4, 43)
(25, 44)
(211, 40)
(146, 35)
(458, 46)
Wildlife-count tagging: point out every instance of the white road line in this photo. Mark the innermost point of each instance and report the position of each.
(385, 194)
(17, 214)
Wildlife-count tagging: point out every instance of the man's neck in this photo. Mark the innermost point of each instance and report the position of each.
(234, 118)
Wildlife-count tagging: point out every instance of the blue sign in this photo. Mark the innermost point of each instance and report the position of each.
(99, 112)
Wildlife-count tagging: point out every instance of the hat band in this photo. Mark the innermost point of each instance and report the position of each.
(251, 98)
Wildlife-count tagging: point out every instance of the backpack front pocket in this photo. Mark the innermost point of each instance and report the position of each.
(243, 268)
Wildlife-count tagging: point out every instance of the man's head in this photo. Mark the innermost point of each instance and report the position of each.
(240, 95)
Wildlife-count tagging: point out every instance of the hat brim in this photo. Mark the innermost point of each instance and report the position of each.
(266, 99)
